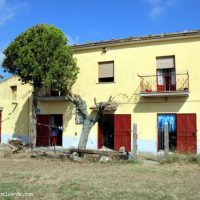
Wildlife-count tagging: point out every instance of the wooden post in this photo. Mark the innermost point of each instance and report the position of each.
(166, 140)
(135, 146)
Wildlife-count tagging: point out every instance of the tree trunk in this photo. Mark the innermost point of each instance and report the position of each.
(87, 126)
(88, 121)
(34, 119)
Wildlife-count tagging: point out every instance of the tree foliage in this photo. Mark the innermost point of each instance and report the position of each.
(41, 57)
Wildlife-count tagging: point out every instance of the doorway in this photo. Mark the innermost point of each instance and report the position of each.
(182, 132)
(43, 129)
(114, 131)
(166, 80)
(106, 125)
(57, 120)
(170, 119)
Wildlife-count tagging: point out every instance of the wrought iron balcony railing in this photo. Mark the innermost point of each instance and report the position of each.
(47, 94)
(169, 84)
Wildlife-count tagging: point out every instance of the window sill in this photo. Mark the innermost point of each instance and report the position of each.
(105, 82)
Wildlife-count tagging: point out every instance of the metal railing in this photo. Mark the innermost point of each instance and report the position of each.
(164, 83)
(47, 94)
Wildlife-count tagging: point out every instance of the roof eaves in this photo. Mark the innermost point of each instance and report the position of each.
(130, 40)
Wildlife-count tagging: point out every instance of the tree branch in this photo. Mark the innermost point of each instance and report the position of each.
(101, 107)
(79, 103)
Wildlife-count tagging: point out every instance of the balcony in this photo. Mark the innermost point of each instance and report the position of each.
(50, 95)
(165, 85)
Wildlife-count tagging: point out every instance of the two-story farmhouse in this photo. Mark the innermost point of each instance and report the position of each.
(153, 79)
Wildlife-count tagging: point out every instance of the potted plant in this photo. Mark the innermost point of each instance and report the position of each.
(148, 87)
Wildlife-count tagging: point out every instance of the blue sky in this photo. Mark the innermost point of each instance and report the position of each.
(94, 20)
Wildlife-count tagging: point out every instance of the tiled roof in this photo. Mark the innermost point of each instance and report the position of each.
(162, 36)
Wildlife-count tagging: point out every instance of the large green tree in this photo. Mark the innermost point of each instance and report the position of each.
(41, 57)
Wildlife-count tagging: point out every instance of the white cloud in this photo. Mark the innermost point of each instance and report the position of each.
(2, 47)
(1, 58)
(158, 7)
(9, 10)
(157, 10)
(5, 12)
(72, 40)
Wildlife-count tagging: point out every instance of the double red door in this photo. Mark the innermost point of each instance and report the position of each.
(122, 132)
(166, 80)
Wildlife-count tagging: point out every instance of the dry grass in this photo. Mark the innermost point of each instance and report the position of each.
(180, 158)
(55, 179)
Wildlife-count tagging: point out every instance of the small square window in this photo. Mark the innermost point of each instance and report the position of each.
(14, 92)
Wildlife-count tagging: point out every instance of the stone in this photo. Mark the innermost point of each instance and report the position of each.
(123, 154)
(105, 159)
(122, 150)
(76, 159)
(1, 151)
(75, 154)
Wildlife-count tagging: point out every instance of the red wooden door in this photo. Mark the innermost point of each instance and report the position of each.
(170, 82)
(186, 133)
(100, 142)
(122, 131)
(0, 126)
(43, 133)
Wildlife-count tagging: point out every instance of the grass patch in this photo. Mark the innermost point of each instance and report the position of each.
(180, 158)
(9, 188)
(48, 179)
(70, 189)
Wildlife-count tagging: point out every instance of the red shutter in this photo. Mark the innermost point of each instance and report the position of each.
(186, 133)
(0, 126)
(43, 133)
(122, 131)
(160, 80)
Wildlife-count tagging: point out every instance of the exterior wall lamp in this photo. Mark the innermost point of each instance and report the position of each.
(104, 49)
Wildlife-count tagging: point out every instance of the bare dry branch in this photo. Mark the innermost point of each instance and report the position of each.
(95, 102)
(88, 122)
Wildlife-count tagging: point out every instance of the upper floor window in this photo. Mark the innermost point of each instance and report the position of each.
(165, 62)
(106, 71)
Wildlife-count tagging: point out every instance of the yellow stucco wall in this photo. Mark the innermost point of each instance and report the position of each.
(15, 111)
(129, 60)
